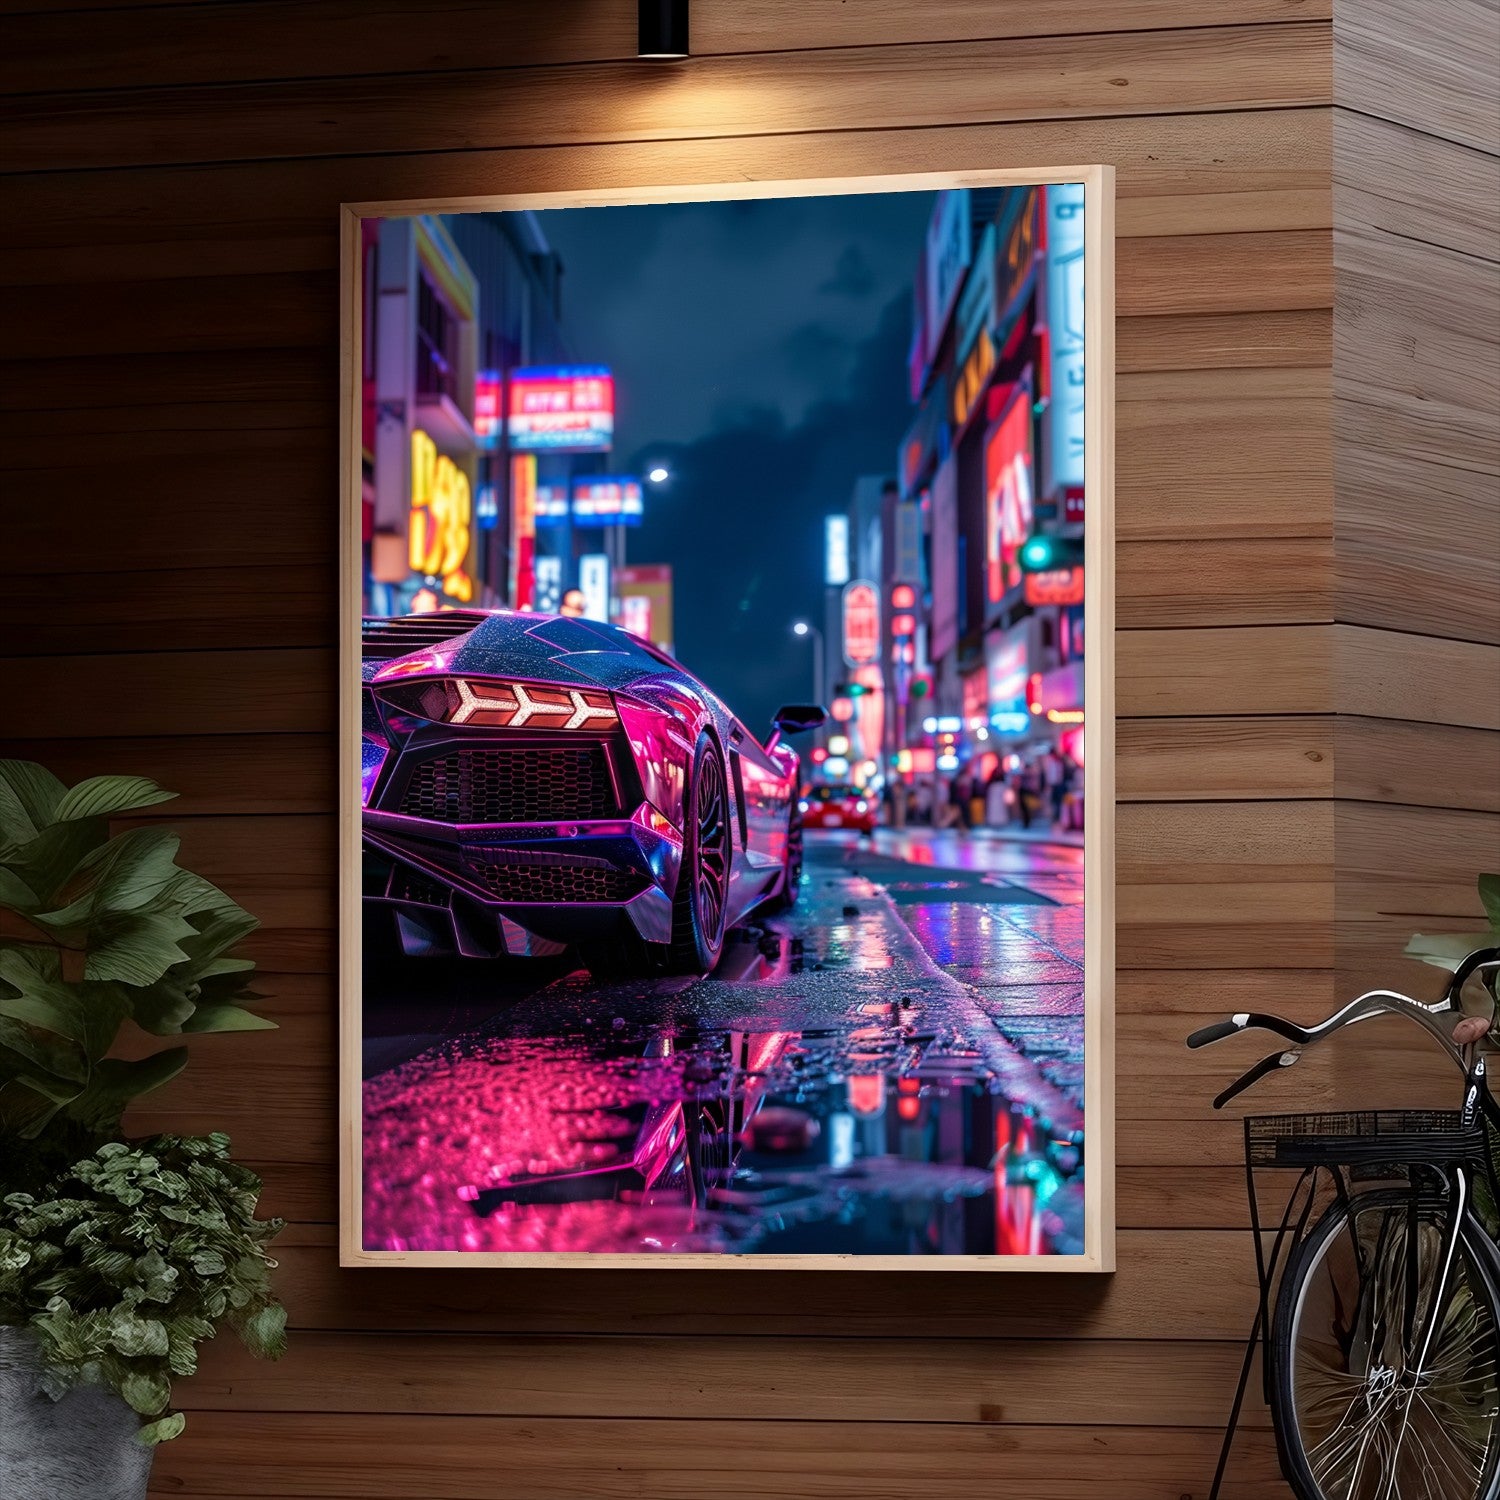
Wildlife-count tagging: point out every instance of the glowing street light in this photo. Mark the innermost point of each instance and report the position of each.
(658, 474)
(802, 629)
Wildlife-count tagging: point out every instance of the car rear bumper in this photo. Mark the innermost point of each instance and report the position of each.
(496, 888)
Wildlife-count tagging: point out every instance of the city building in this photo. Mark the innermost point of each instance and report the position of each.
(985, 528)
(454, 305)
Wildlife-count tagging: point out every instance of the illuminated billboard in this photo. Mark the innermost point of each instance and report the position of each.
(835, 551)
(645, 594)
(551, 505)
(861, 623)
(1009, 496)
(1065, 329)
(561, 409)
(439, 528)
(608, 500)
(487, 408)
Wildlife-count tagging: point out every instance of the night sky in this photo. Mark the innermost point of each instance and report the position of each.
(759, 351)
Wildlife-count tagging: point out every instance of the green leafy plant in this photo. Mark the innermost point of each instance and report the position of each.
(96, 931)
(1446, 950)
(116, 1259)
(129, 1260)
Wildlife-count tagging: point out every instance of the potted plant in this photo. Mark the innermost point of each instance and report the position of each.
(117, 1257)
(1446, 950)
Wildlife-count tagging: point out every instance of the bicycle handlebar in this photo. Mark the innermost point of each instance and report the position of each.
(1366, 1007)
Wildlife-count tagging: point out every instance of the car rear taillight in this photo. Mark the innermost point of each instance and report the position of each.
(485, 703)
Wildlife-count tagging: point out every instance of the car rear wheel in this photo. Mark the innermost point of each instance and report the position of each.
(701, 903)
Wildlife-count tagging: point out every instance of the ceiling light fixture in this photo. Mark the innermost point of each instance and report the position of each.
(663, 30)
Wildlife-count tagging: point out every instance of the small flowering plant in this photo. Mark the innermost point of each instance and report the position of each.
(129, 1260)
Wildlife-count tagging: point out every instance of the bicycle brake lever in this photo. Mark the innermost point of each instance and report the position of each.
(1265, 1065)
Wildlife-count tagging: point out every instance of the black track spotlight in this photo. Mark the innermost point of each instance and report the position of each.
(663, 28)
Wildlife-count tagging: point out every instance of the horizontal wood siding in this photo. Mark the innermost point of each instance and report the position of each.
(1416, 435)
(168, 348)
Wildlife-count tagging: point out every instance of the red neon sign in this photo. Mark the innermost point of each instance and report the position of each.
(1056, 586)
(1009, 500)
(561, 409)
(487, 406)
(861, 624)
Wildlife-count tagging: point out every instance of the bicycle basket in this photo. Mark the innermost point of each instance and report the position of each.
(1361, 1138)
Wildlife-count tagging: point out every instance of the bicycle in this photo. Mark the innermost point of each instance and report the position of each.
(1381, 1350)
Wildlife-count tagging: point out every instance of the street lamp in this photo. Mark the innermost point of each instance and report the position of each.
(801, 627)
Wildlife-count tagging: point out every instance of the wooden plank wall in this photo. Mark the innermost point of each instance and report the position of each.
(168, 323)
(1416, 375)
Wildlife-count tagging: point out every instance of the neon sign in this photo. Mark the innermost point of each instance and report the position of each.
(550, 507)
(1009, 500)
(969, 385)
(1055, 586)
(487, 420)
(1065, 334)
(522, 530)
(608, 500)
(861, 623)
(439, 531)
(835, 551)
(561, 409)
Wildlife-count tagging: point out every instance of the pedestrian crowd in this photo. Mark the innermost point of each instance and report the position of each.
(1044, 790)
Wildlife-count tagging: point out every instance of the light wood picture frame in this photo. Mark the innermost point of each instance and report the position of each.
(1098, 1254)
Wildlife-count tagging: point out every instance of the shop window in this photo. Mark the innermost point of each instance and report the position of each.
(437, 343)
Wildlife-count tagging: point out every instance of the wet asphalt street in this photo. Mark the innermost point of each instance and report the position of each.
(895, 1067)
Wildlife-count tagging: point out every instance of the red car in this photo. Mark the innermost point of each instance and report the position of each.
(838, 807)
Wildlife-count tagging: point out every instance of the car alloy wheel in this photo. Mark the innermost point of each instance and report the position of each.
(702, 899)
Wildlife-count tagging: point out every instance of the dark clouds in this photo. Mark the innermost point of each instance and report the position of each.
(760, 351)
(852, 276)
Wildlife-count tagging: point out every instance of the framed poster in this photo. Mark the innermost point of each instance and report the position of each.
(688, 915)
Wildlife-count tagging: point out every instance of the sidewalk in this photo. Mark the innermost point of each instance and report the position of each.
(1018, 835)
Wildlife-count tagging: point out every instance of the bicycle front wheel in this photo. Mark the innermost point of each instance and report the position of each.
(1361, 1412)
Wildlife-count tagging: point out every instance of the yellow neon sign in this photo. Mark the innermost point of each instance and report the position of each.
(439, 532)
(977, 369)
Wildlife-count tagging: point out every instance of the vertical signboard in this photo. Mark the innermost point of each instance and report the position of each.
(440, 527)
(836, 551)
(645, 594)
(908, 547)
(947, 258)
(861, 615)
(488, 421)
(1064, 422)
(944, 622)
(1009, 497)
(548, 584)
(976, 302)
(593, 583)
(522, 530)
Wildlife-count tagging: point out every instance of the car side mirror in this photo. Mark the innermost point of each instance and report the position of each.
(795, 718)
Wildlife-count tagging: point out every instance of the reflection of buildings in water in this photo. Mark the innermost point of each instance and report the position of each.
(758, 1141)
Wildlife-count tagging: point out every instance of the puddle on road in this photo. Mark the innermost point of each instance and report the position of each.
(821, 1093)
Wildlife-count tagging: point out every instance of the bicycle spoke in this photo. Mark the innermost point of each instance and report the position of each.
(1374, 1426)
